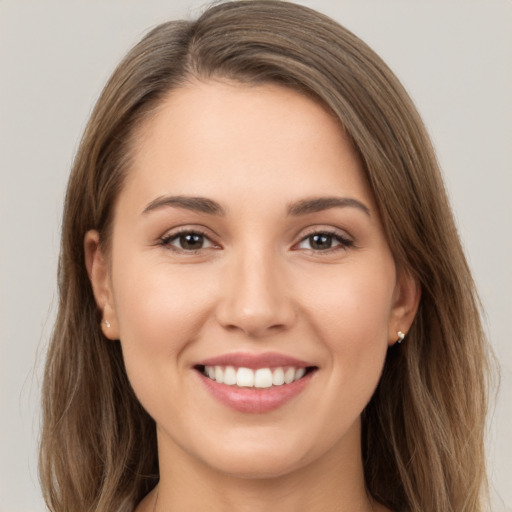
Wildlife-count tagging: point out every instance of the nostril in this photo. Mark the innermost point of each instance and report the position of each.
(255, 305)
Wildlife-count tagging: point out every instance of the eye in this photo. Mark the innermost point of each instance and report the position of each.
(323, 241)
(189, 241)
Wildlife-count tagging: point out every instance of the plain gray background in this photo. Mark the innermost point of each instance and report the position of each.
(454, 57)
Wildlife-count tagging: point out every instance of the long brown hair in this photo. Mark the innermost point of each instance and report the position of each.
(423, 429)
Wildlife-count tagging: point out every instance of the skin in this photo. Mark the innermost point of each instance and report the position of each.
(257, 284)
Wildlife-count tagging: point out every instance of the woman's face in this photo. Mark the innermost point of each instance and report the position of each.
(246, 236)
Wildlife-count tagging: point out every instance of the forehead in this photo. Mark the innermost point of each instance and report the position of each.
(214, 137)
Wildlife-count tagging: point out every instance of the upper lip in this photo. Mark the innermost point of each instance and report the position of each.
(254, 361)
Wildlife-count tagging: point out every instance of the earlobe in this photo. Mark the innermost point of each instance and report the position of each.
(405, 306)
(99, 275)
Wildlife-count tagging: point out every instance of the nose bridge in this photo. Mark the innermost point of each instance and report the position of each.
(255, 298)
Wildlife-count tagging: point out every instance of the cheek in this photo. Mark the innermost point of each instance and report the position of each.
(159, 312)
(352, 305)
(350, 314)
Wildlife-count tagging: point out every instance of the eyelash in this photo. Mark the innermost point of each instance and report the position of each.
(166, 240)
(344, 243)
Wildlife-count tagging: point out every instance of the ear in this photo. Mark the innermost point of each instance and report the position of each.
(406, 300)
(99, 275)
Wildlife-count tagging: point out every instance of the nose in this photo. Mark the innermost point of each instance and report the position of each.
(255, 297)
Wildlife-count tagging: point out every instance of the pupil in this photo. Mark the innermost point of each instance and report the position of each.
(191, 241)
(321, 241)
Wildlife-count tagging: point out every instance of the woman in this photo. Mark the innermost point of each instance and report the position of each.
(264, 301)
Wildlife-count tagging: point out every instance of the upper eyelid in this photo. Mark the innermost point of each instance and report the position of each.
(345, 239)
(171, 235)
(213, 237)
(342, 240)
(166, 240)
(198, 229)
(331, 230)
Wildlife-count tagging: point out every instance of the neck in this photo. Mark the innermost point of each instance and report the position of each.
(333, 482)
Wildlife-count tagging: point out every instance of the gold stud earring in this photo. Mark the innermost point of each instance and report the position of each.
(401, 337)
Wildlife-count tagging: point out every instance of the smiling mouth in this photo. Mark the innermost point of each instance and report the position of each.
(260, 378)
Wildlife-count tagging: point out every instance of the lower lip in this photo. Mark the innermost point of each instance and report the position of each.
(255, 400)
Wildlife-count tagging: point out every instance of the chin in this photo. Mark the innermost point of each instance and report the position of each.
(260, 455)
(258, 465)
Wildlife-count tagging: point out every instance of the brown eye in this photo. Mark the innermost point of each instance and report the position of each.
(324, 241)
(187, 241)
(191, 241)
(320, 242)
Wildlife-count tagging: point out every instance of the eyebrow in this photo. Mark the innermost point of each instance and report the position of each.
(318, 204)
(197, 204)
(298, 208)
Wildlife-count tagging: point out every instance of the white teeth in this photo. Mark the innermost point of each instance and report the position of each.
(219, 374)
(289, 375)
(230, 376)
(245, 378)
(278, 377)
(248, 378)
(263, 378)
(299, 373)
